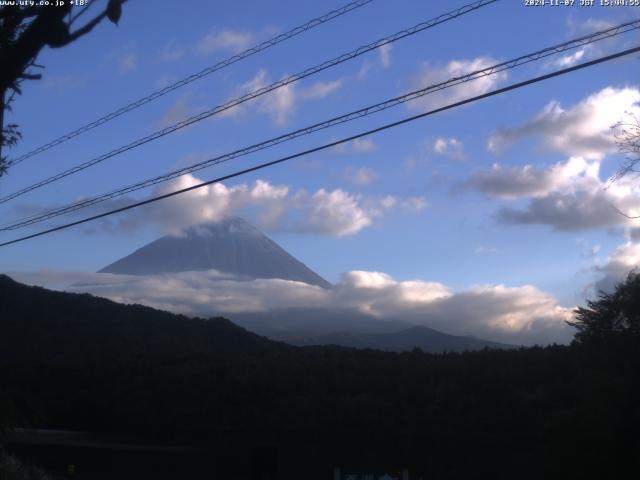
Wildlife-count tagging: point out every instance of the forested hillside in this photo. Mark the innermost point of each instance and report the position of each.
(77, 362)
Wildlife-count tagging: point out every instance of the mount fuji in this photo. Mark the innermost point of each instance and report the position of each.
(231, 245)
(234, 246)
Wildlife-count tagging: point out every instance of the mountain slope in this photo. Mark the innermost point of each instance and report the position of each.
(231, 245)
(350, 328)
(44, 326)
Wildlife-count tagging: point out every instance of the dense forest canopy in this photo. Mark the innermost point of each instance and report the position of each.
(613, 317)
(70, 361)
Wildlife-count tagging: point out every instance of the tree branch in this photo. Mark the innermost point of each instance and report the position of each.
(81, 31)
(84, 9)
(630, 217)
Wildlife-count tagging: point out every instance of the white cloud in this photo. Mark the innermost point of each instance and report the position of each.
(575, 211)
(162, 82)
(577, 199)
(415, 204)
(359, 176)
(588, 26)
(529, 181)
(522, 315)
(585, 52)
(181, 109)
(358, 145)
(389, 201)
(363, 145)
(364, 70)
(280, 104)
(258, 81)
(429, 75)
(634, 234)
(233, 41)
(128, 62)
(482, 249)
(591, 25)
(65, 82)
(322, 89)
(272, 207)
(569, 60)
(338, 213)
(583, 129)
(171, 52)
(385, 55)
(566, 196)
(622, 260)
(511, 182)
(449, 147)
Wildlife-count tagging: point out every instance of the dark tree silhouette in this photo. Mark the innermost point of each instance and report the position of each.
(24, 32)
(613, 316)
(77, 362)
(627, 133)
(11, 468)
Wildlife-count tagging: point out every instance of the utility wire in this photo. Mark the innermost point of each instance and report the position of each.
(196, 76)
(524, 59)
(333, 144)
(257, 93)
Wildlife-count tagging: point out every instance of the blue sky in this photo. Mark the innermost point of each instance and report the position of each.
(438, 200)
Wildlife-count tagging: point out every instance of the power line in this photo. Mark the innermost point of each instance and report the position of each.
(524, 59)
(257, 93)
(333, 144)
(196, 76)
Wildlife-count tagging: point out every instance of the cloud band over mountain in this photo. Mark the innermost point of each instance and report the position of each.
(517, 315)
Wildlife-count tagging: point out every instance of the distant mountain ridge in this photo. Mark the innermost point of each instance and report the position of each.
(231, 245)
(424, 338)
(351, 328)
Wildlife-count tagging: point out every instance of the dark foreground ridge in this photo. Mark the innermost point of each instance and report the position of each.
(146, 377)
(40, 326)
